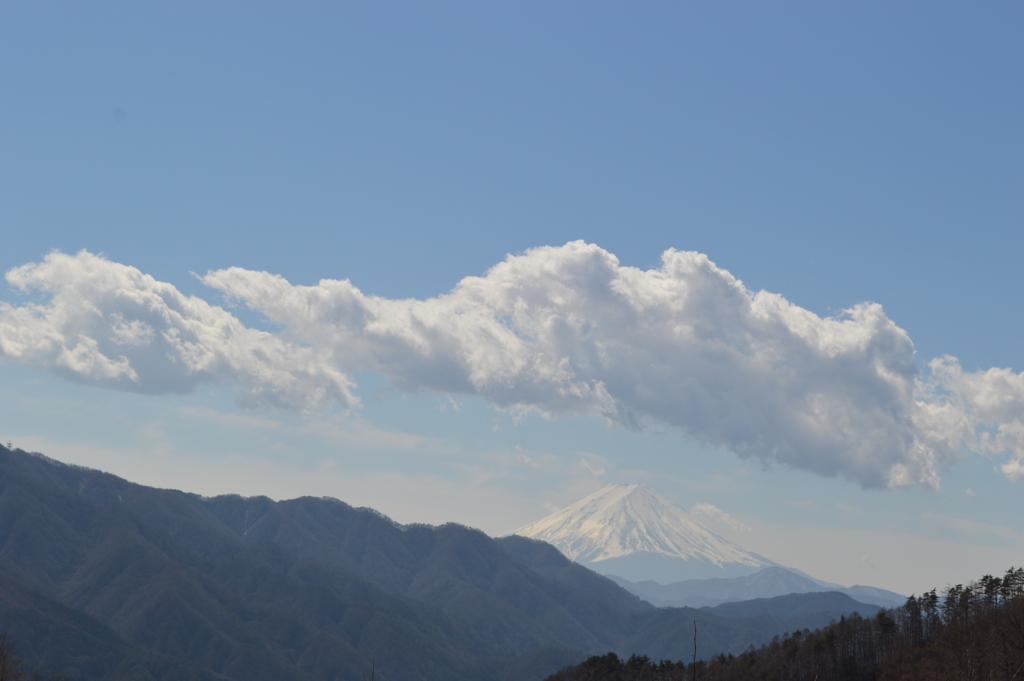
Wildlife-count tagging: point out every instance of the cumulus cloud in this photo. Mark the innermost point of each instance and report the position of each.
(557, 330)
(109, 324)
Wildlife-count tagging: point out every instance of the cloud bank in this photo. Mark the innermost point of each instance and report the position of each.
(109, 324)
(558, 330)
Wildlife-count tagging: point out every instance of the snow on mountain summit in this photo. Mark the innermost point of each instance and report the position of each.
(619, 522)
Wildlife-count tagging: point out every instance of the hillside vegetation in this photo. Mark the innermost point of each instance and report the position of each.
(969, 633)
(101, 578)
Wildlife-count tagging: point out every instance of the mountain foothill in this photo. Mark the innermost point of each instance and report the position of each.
(101, 578)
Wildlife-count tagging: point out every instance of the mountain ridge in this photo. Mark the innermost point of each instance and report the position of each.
(770, 582)
(307, 589)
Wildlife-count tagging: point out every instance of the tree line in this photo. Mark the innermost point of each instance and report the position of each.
(970, 632)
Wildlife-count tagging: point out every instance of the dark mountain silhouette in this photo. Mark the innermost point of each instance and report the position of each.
(56, 637)
(103, 578)
(461, 571)
(794, 605)
(546, 560)
(667, 633)
(796, 612)
(162, 571)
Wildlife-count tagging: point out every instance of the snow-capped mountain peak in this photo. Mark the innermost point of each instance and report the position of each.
(621, 521)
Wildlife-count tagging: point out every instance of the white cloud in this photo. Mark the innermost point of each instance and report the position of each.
(594, 469)
(557, 330)
(109, 324)
(524, 460)
(983, 409)
(1014, 469)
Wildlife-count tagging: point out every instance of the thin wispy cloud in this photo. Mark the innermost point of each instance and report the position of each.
(595, 470)
(562, 331)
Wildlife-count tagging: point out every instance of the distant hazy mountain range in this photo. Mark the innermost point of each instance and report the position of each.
(103, 578)
(768, 583)
(658, 551)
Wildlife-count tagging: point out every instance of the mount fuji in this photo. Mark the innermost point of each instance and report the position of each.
(635, 533)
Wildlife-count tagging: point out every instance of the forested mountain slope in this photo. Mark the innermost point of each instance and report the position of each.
(462, 571)
(160, 584)
(968, 633)
(164, 573)
(66, 642)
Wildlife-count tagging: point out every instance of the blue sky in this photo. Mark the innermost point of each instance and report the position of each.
(831, 155)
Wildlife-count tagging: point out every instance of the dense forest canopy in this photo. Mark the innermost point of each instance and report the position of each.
(967, 633)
